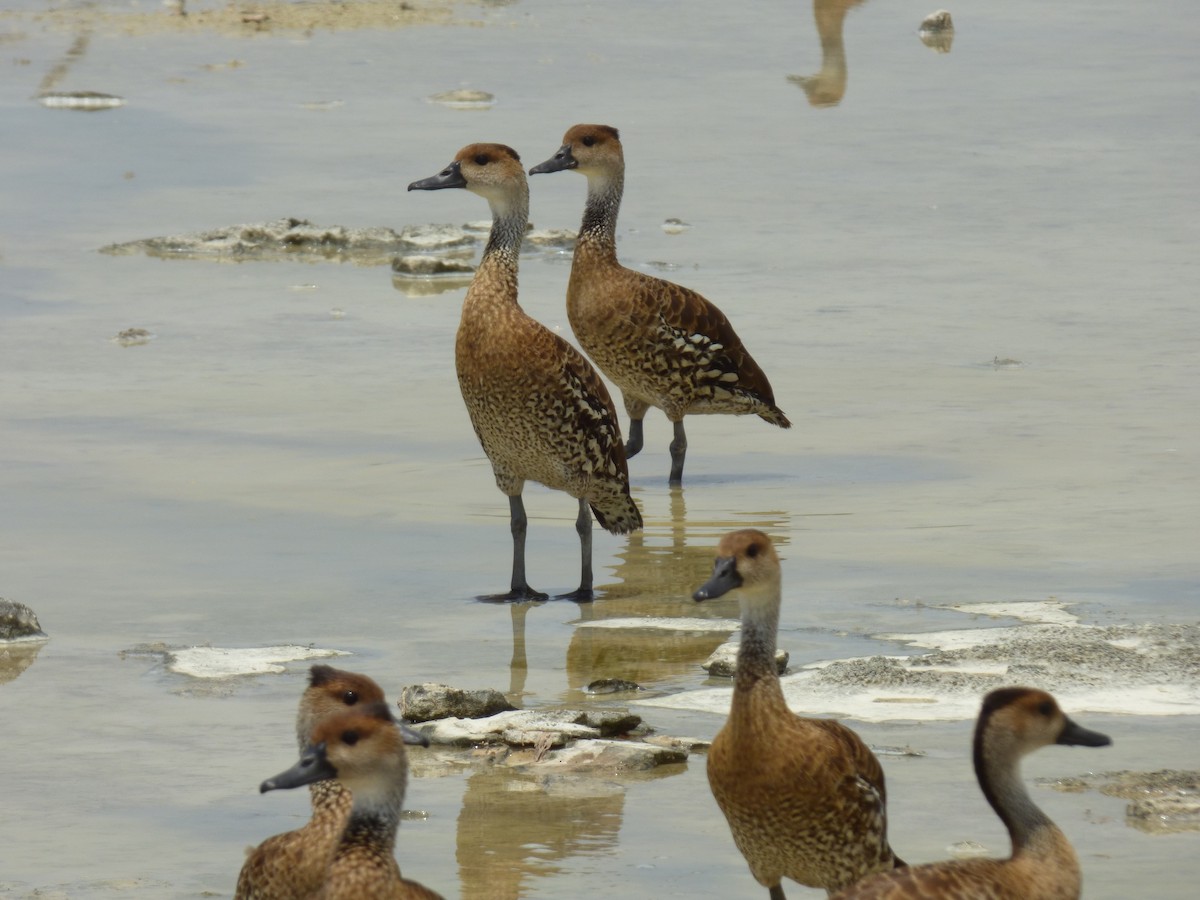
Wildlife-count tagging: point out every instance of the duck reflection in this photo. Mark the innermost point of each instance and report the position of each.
(828, 86)
(660, 567)
(514, 826)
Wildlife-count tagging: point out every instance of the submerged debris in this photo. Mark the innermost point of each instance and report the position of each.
(133, 337)
(1161, 802)
(85, 101)
(937, 31)
(464, 99)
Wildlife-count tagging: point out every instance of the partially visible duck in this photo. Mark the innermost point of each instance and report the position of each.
(538, 407)
(805, 798)
(662, 344)
(1013, 722)
(364, 751)
(293, 864)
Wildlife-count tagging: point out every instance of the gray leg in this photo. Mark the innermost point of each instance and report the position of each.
(777, 893)
(633, 446)
(518, 522)
(583, 527)
(678, 452)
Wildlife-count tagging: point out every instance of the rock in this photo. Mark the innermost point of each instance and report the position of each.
(435, 237)
(968, 850)
(133, 337)
(609, 757)
(675, 226)
(18, 622)
(723, 661)
(425, 702)
(424, 266)
(1164, 815)
(464, 98)
(686, 744)
(612, 686)
(559, 238)
(525, 728)
(937, 31)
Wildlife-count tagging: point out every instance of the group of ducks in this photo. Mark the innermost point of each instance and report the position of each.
(539, 408)
(805, 798)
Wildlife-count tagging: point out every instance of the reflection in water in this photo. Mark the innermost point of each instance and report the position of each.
(515, 826)
(16, 657)
(827, 87)
(74, 53)
(417, 286)
(660, 568)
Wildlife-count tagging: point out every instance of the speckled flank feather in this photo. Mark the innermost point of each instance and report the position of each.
(804, 798)
(538, 407)
(1043, 865)
(294, 864)
(662, 344)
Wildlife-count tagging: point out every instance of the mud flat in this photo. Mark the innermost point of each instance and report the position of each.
(1126, 669)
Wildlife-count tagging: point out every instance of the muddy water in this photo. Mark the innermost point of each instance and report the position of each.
(267, 470)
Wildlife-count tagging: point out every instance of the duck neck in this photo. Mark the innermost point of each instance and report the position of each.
(598, 232)
(760, 627)
(375, 816)
(495, 282)
(997, 766)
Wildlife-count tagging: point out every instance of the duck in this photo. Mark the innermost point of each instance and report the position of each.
(539, 408)
(805, 798)
(293, 864)
(1013, 722)
(662, 344)
(364, 750)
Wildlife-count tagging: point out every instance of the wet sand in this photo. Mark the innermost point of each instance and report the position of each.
(287, 461)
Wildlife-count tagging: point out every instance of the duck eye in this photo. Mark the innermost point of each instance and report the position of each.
(589, 141)
(350, 738)
(350, 698)
(481, 159)
(752, 551)
(1046, 708)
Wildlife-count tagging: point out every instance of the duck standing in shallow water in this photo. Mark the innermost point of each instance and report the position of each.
(294, 864)
(662, 344)
(805, 798)
(538, 407)
(364, 751)
(1043, 866)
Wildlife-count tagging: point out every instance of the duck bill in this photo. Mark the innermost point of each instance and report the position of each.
(412, 737)
(312, 767)
(449, 177)
(1078, 736)
(724, 579)
(557, 163)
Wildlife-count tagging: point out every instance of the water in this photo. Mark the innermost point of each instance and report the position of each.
(266, 471)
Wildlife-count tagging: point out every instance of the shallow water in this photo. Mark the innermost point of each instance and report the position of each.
(265, 472)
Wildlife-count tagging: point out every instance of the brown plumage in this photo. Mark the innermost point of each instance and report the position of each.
(364, 751)
(662, 344)
(805, 798)
(538, 407)
(293, 864)
(1043, 865)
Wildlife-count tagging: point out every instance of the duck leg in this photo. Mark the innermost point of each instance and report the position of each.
(633, 446)
(583, 527)
(777, 892)
(678, 452)
(518, 523)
